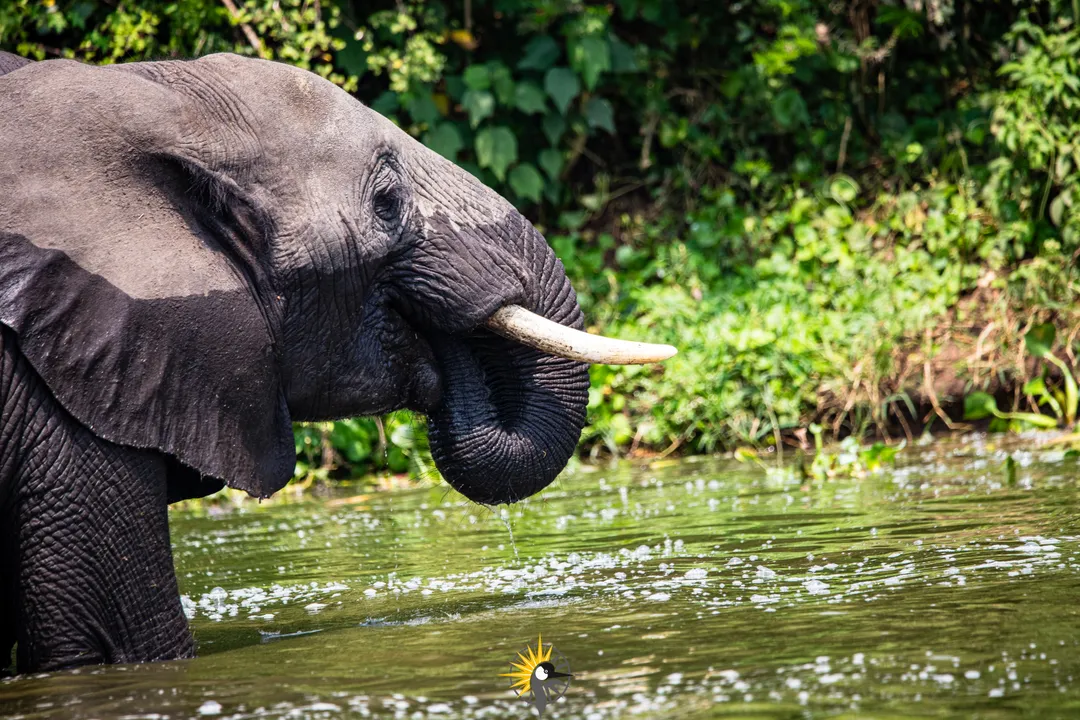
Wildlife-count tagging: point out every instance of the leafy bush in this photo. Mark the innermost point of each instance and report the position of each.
(809, 198)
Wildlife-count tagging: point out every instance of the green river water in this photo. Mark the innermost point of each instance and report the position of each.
(940, 587)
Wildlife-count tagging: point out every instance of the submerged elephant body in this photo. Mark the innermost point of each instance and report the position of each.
(195, 254)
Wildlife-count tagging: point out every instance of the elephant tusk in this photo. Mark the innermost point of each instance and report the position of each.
(516, 323)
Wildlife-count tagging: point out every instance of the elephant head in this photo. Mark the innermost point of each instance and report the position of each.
(194, 254)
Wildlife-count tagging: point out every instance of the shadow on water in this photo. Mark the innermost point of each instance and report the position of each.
(702, 589)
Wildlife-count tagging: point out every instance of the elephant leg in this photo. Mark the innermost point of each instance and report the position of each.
(7, 626)
(96, 582)
(88, 564)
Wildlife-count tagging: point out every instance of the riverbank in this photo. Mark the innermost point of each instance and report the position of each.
(850, 218)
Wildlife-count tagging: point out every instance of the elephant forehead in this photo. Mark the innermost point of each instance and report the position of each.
(445, 191)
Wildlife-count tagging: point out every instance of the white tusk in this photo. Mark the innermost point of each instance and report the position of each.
(516, 323)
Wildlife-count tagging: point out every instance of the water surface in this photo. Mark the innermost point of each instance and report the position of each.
(940, 587)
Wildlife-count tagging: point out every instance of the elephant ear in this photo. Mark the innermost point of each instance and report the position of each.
(9, 62)
(133, 286)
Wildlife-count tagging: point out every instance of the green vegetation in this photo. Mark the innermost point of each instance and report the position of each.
(849, 214)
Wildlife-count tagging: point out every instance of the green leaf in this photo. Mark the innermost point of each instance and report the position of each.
(554, 127)
(1057, 210)
(403, 436)
(563, 86)
(352, 58)
(622, 56)
(551, 160)
(480, 104)
(1072, 398)
(386, 104)
(591, 57)
(445, 140)
(477, 77)
(979, 405)
(1040, 339)
(540, 54)
(843, 189)
(573, 219)
(529, 98)
(502, 82)
(789, 109)
(1042, 421)
(456, 87)
(1035, 386)
(1072, 393)
(527, 182)
(599, 114)
(423, 109)
(496, 148)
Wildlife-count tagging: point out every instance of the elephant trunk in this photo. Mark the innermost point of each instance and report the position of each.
(510, 415)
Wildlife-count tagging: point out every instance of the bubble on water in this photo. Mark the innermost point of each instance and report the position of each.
(816, 587)
(188, 606)
(210, 707)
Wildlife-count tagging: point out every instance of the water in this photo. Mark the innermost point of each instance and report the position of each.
(940, 587)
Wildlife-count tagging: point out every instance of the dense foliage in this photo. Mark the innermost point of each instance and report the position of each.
(848, 213)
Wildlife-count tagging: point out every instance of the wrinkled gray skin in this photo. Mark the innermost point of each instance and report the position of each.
(194, 254)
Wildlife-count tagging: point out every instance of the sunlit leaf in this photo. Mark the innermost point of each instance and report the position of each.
(843, 189)
(1042, 421)
(477, 77)
(591, 57)
(527, 182)
(502, 83)
(423, 109)
(480, 104)
(496, 149)
(1057, 210)
(529, 98)
(445, 140)
(1040, 339)
(979, 405)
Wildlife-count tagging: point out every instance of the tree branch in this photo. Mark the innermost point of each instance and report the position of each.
(249, 32)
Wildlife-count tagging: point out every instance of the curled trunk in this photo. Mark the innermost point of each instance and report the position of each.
(510, 416)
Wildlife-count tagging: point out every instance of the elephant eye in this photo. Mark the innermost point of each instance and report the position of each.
(388, 203)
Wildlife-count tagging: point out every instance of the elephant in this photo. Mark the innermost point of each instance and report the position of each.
(193, 255)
